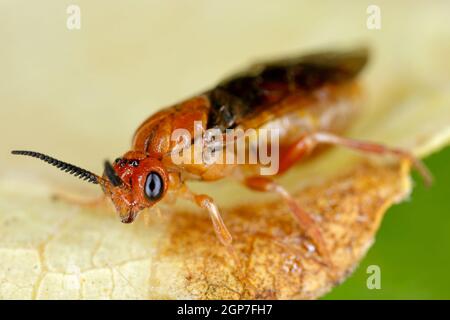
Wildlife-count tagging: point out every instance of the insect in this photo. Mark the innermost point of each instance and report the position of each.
(311, 99)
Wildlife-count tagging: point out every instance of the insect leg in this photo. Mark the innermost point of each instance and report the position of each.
(295, 152)
(306, 144)
(370, 147)
(304, 219)
(206, 202)
(83, 202)
(221, 230)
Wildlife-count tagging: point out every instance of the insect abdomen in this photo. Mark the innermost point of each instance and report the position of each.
(265, 85)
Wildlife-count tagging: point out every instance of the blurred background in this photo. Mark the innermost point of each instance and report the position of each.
(79, 94)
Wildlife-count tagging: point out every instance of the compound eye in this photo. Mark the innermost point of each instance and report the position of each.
(153, 186)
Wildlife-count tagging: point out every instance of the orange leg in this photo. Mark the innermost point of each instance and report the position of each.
(82, 202)
(304, 219)
(206, 202)
(307, 144)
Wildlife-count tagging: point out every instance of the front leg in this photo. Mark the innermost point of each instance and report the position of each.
(206, 202)
(90, 203)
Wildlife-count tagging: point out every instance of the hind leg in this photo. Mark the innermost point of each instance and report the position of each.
(306, 144)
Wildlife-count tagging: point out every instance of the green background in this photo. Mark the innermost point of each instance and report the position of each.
(412, 247)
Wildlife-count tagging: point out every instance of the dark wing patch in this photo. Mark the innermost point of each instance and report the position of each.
(268, 83)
